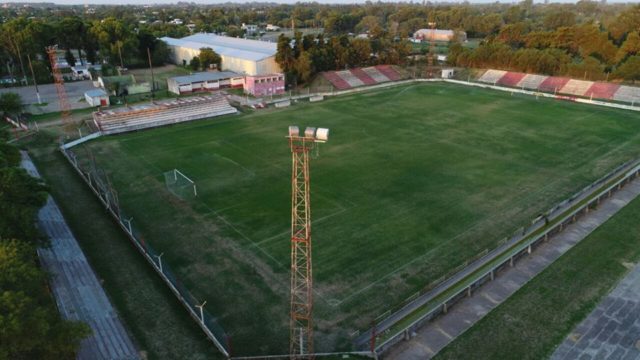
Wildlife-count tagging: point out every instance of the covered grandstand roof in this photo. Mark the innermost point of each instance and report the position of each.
(204, 76)
(226, 46)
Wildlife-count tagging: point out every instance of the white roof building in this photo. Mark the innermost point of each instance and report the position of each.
(250, 57)
(438, 34)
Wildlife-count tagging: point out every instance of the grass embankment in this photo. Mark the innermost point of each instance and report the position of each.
(537, 318)
(157, 321)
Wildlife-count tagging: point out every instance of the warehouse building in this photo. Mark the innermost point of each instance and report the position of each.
(243, 56)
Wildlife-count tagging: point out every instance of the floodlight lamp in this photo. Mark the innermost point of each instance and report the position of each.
(322, 134)
(294, 131)
(310, 133)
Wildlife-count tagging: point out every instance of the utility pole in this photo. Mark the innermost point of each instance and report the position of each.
(301, 321)
(120, 54)
(153, 81)
(33, 75)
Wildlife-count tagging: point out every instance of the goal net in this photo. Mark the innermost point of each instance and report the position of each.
(180, 185)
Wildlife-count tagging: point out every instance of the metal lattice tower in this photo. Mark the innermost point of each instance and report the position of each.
(65, 108)
(301, 321)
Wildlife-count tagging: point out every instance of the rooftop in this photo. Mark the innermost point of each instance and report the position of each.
(204, 76)
(226, 46)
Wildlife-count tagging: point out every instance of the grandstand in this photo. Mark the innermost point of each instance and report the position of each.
(347, 79)
(161, 113)
(363, 76)
(492, 76)
(375, 74)
(511, 79)
(389, 72)
(531, 81)
(553, 84)
(576, 87)
(602, 90)
(627, 93)
(351, 79)
(563, 85)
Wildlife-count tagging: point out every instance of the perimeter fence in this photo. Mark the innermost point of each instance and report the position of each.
(99, 183)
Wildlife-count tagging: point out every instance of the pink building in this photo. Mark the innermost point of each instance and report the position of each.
(263, 85)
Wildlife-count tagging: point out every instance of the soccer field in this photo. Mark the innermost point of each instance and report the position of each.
(414, 181)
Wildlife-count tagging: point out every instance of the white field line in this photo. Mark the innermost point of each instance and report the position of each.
(313, 222)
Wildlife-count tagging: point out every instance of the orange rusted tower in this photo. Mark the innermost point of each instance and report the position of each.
(65, 108)
(301, 322)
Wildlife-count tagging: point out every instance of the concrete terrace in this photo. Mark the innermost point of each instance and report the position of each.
(78, 293)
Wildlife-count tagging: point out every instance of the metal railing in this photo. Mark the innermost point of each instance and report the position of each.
(485, 268)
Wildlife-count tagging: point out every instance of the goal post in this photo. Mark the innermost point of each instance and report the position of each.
(180, 184)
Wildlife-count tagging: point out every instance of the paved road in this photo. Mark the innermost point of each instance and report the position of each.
(612, 330)
(75, 93)
(77, 291)
(435, 335)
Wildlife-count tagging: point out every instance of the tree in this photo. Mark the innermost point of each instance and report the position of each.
(630, 69)
(11, 104)
(556, 19)
(194, 64)
(631, 46)
(68, 55)
(304, 67)
(284, 54)
(209, 57)
(359, 52)
(18, 187)
(31, 326)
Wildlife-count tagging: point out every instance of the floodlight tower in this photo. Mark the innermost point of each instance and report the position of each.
(65, 108)
(301, 321)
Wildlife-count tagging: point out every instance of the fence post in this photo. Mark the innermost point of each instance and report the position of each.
(201, 307)
(160, 262)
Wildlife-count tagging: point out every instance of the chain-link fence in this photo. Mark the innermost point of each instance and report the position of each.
(98, 181)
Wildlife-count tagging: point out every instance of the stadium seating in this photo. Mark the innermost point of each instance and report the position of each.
(576, 87)
(336, 80)
(347, 76)
(363, 76)
(389, 72)
(531, 81)
(553, 84)
(511, 79)
(375, 74)
(492, 76)
(162, 113)
(347, 79)
(628, 94)
(602, 90)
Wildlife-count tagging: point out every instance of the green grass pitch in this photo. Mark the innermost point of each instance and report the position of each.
(414, 181)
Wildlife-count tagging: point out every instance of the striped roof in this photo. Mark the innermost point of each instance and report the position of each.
(226, 46)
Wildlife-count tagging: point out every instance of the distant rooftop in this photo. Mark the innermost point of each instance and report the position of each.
(204, 76)
(226, 46)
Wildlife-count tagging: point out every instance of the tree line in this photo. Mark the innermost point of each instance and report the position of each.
(108, 40)
(31, 327)
(304, 56)
(586, 50)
